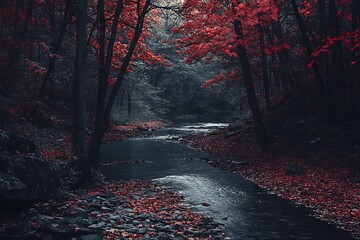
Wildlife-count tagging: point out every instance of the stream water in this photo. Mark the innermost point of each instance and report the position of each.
(246, 211)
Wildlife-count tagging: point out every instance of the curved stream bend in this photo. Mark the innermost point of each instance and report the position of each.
(246, 211)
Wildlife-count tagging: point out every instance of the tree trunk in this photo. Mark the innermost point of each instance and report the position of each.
(284, 57)
(265, 69)
(104, 70)
(308, 47)
(129, 103)
(250, 90)
(51, 12)
(105, 118)
(354, 107)
(16, 21)
(80, 85)
(324, 60)
(55, 48)
(9, 73)
(340, 75)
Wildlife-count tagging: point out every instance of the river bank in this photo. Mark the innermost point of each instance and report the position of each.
(40, 197)
(313, 163)
(111, 210)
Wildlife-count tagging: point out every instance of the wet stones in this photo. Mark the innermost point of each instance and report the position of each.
(13, 144)
(91, 237)
(59, 229)
(98, 215)
(23, 180)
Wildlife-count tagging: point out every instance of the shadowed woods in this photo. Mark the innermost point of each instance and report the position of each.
(153, 74)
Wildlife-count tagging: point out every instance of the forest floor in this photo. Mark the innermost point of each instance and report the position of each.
(313, 162)
(49, 125)
(100, 210)
(116, 210)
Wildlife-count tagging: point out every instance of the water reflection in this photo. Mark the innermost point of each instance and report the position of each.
(199, 127)
(201, 189)
(244, 209)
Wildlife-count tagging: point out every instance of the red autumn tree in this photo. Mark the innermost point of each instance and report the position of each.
(123, 28)
(229, 29)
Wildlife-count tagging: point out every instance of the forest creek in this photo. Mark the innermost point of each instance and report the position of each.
(179, 119)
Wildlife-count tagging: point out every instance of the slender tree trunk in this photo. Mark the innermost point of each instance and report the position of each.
(283, 56)
(308, 47)
(80, 85)
(324, 60)
(104, 71)
(126, 61)
(51, 12)
(16, 21)
(105, 118)
(79, 142)
(121, 102)
(9, 73)
(265, 76)
(340, 75)
(354, 107)
(129, 103)
(250, 90)
(55, 48)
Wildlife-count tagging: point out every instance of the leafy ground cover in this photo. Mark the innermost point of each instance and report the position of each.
(51, 128)
(313, 163)
(117, 210)
(120, 132)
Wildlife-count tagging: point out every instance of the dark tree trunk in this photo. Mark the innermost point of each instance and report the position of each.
(16, 21)
(56, 47)
(9, 73)
(283, 56)
(104, 70)
(80, 85)
(354, 107)
(340, 75)
(250, 90)
(129, 103)
(324, 60)
(308, 47)
(265, 76)
(51, 11)
(126, 61)
(105, 118)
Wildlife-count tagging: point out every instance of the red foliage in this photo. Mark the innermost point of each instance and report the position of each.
(331, 192)
(120, 132)
(60, 149)
(126, 31)
(349, 39)
(208, 31)
(139, 198)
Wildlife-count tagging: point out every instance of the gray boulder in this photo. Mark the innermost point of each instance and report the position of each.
(13, 144)
(24, 179)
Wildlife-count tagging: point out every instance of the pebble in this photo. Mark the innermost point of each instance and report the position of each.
(95, 214)
(126, 226)
(132, 230)
(91, 237)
